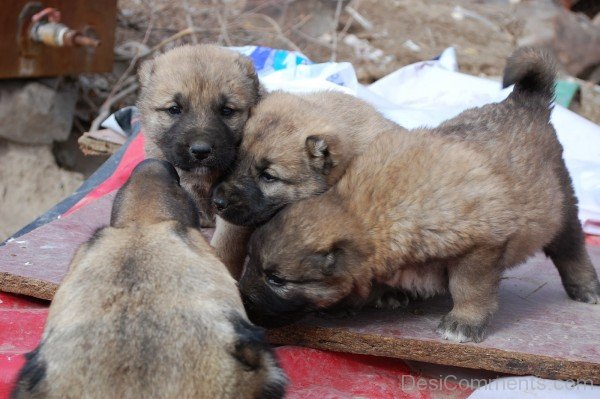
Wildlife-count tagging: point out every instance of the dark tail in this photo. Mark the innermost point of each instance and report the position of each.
(533, 72)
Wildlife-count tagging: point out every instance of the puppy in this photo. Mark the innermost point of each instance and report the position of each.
(148, 311)
(429, 211)
(194, 103)
(294, 147)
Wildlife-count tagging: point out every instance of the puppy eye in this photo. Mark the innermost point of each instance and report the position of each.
(275, 280)
(174, 110)
(227, 111)
(267, 177)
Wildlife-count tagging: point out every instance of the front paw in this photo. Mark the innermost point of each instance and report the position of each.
(586, 294)
(456, 329)
(392, 300)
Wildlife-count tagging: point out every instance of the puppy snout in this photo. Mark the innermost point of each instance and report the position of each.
(200, 150)
(219, 200)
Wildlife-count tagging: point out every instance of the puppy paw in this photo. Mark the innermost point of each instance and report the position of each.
(391, 300)
(453, 328)
(586, 294)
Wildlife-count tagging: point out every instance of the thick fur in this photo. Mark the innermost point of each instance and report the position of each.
(446, 209)
(213, 90)
(148, 311)
(294, 147)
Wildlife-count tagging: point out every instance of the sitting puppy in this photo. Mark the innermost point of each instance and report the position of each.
(194, 103)
(432, 210)
(148, 311)
(294, 147)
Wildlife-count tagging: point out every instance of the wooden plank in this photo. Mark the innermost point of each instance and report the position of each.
(35, 263)
(537, 330)
(101, 142)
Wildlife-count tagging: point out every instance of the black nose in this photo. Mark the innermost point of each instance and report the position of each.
(200, 150)
(219, 198)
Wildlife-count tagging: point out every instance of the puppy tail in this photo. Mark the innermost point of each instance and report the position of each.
(533, 72)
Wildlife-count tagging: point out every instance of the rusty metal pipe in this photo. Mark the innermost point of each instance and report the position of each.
(47, 29)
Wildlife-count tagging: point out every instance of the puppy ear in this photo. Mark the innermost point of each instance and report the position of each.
(318, 148)
(31, 377)
(325, 262)
(248, 67)
(145, 72)
(250, 344)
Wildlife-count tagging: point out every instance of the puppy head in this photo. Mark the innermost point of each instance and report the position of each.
(308, 257)
(194, 103)
(151, 195)
(289, 152)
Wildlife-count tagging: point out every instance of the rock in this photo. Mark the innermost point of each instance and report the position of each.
(30, 184)
(590, 102)
(36, 111)
(576, 42)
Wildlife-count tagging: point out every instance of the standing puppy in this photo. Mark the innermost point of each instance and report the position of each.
(194, 103)
(433, 210)
(294, 147)
(148, 311)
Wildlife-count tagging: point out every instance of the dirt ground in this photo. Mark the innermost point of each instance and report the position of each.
(376, 36)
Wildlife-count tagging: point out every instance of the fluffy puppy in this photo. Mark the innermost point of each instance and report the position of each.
(148, 311)
(294, 147)
(194, 103)
(429, 211)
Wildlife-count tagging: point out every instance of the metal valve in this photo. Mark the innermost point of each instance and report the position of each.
(46, 28)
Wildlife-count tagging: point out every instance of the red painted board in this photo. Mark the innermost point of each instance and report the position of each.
(318, 374)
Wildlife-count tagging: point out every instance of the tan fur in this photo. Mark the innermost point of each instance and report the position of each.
(202, 79)
(304, 141)
(432, 210)
(148, 311)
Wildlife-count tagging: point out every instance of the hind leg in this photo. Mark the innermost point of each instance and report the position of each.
(570, 257)
(567, 250)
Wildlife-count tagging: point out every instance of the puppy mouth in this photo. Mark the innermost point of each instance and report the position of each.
(212, 162)
(238, 213)
(272, 320)
(268, 314)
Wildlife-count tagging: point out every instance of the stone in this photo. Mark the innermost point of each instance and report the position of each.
(37, 111)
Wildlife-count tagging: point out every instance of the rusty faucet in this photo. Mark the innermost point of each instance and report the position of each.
(47, 29)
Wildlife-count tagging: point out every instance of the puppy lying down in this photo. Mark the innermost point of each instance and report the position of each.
(148, 311)
(432, 211)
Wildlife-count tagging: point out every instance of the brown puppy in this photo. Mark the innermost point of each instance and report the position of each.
(194, 103)
(433, 210)
(294, 147)
(148, 311)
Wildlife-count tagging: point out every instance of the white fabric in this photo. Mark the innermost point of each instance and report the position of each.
(535, 388)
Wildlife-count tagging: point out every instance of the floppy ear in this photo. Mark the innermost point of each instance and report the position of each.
(318, 148)
(248, 67)
(250, 344)
(326, 263)
(145, 72)
(345, 254)
(329, 263)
